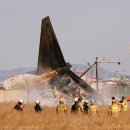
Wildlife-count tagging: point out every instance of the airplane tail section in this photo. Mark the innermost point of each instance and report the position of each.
(51, 59)
(50, 55)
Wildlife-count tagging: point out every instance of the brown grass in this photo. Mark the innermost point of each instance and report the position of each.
(49, 120)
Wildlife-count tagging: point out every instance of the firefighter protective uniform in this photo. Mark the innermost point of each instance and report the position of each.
(115, 100)
(80, 104)
(61, 108)
(124, 104)
(75, 107)
(37, 106)
(85, 106)
(114, 109)
(19, 106)
(93, 109)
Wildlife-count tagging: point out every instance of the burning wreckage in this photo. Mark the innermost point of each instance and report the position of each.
(52, 70)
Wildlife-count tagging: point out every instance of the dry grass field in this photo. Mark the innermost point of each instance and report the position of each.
(49, 120)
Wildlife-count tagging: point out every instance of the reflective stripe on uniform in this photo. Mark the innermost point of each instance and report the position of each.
(124, 106)
(61, 108)
(114, 109)
(92, 108)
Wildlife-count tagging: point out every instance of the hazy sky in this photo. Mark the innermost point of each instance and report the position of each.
(85, 29)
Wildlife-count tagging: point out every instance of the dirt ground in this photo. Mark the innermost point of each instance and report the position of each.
(49, 120)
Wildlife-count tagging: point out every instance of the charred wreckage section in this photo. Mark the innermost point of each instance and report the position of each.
(51, 58)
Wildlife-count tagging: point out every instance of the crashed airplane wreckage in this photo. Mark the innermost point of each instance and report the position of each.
(53, 68)
(51, 58)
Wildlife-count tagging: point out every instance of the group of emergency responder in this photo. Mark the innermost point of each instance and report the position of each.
(20, 106)
(118, 107)
(82, 106)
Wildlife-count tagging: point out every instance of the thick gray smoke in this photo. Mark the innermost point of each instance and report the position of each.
(44, 92)
(32, 87)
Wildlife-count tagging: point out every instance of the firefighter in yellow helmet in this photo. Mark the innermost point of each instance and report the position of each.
(114, 109)
(61, 108)
(93, 108)
(124, 104)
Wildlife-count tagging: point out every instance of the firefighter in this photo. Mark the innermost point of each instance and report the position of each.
(124, 104)
(93, 109)
(75, 107)
(19, 106)
(80, 91)
(85, 106)
(37, 106)
(80, 104)
(114, 109)
(54, 91)
(115, 100)
(61, 108)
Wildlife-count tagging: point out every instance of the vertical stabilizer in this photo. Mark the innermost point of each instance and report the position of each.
(50, 55)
